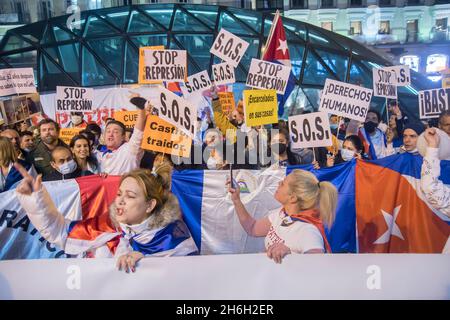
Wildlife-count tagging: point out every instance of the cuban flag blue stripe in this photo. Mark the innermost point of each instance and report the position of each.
(187, 185)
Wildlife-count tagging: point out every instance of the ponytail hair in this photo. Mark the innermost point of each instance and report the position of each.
(312, 193)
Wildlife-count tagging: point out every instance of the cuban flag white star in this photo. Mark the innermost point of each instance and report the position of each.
(283, 46)
(393, 229)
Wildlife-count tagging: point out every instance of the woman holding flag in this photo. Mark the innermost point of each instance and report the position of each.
(143, 220)
(308, 205)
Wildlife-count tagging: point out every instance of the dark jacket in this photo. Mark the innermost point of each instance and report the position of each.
(41, 157)
(56, 175)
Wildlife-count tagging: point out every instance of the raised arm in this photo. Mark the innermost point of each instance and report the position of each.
(253, 227)
(40, 208)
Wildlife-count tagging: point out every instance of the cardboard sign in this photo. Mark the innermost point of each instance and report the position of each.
(229, 47)
(19, 108)
(384, 83)
(16, 80)
(433, 102)
(161, 136)
(260, 107)
(74, 99)
(67, 134)
(128, 118)
(141, 71)
(162, 65)
(346, 100)
(402, 74)
(223, 73)
(177, 111)
(227, 102)
(310, 130)
(268, 75)
(197, 83)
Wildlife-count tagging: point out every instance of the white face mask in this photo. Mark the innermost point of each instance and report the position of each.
(211, 163)
(68, 167)
(347, 155)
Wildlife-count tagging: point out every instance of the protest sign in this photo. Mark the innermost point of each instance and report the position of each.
(227, 102)
(260, 107)
(141, 70)
(19, 108)
(384, 83)
(402, 74)
(346, 100)
(67, 134)
(74, 99)
(16, 80)
(177, 111)
(197, 83)
(223, 73)
(229, 47)
(161, 136)
(128, 118)
(157, 65)
(268, 75)
(310, 130)
(433, 102)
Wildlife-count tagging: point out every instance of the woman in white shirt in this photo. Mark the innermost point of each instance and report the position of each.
(298, 226)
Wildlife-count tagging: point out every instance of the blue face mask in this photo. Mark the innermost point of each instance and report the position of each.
(333, 126)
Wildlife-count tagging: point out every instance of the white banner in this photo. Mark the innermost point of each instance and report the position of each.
(229, 47)
(268, 75)
(177, 111)
(346, 100)
(310, 130)
(384, 82)
(433, 102)
(16, 80)
(74, 99)
(223, 73)
(105, 103)
(197, 83)
(235, 277)
(403, 75)
(165, 65)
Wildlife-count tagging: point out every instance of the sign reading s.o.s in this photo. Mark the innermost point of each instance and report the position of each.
(310, 130)
(177, 111)
(197, 83)
(229, 47)
(223, 73)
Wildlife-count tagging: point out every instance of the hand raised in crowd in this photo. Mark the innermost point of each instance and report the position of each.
(432, 137)
(235, 193)
(29, 184)
(396, 110)
(278, 251)
(389, 135)
(128, 261)
(316, 165)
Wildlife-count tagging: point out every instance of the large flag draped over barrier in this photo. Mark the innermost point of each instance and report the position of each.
(380, 209)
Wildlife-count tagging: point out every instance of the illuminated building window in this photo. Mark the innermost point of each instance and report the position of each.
(385, 27)
(327, 25)
(411, 61)
(355, 28)
(436, 63)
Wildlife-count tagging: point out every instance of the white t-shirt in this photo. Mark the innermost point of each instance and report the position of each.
(299, 236)
(126, 158)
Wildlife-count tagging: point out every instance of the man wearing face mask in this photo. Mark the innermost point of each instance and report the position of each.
(375, 143)
(76, 120)
(64, 164)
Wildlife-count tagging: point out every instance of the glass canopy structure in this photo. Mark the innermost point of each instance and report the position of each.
(101, 49)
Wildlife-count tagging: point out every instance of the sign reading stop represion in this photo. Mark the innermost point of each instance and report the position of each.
(310, 130)
(268, 75)
(74, 99)
(162, 65)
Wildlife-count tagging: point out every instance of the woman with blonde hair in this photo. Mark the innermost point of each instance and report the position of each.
(9, 176)
(143, 220)
(307, 206)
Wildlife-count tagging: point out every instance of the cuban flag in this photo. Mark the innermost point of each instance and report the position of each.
(277, 51)
(381, 208)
